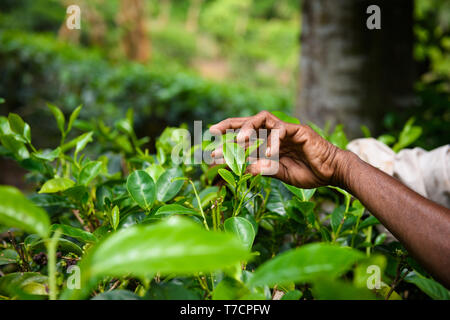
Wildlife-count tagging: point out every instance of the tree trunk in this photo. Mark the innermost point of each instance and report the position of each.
(193, 15)
(66, 34)
(135, 40)
(348, 73)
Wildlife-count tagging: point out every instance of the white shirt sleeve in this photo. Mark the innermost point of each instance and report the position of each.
(426, 172)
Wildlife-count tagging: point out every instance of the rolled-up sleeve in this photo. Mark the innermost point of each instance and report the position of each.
(426, 172)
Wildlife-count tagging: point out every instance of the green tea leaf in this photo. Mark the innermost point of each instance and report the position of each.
(64, 245)
(175, 245)
(284, 117)
(82, 141)
(230, 289)
(292, 295)
(338, 138)
(19, 212)
(89, 172)
(242, 228)
(155, 171)
(173, 290)
(8, 256)
(336, 217)
(73, 117)
(142, 189)
(364, 273)
(56, 185)
(23, 285)
(408, 135)
(4, 126)
(17, 125)
(72, 232)
(306, 264)
(114, 217)
(59, 116)
(176, 209)
(370, 221)
(432, 288)
(166, 189)
(79, 142)
(17, 147)
(101, 194)
(302, 194)
(227, 176)
(326, 289)
(48, 155)
(234, 156)
(387, 139)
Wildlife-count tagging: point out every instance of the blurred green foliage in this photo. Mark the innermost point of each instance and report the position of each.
(36, 68)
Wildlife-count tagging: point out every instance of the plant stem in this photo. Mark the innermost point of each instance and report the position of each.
(369, 239)
(355, 231)
(51, 253)
(398, 278)
(213, 215)
(199, 205)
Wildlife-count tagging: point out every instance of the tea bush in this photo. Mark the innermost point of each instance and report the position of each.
(138, 226)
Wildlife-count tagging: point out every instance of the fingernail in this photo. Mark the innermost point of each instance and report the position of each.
(268, 152)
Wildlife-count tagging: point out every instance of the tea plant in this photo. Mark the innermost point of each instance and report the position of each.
(109, 220)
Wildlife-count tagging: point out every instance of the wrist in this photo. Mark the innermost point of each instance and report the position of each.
(345, 164)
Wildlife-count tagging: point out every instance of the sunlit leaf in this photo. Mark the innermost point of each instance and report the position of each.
(114, 217)
(19, 212)
(306, 264)
(234, 156)
(89, 172)
(284, 117)
(48, 155)
(59, 116)
(175, 245)
(56, 185)
(176, 209)
(73, 117)
(16, 146)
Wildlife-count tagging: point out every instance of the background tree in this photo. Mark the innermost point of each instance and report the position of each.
(350, 74)
(193, 15)
(135, 40)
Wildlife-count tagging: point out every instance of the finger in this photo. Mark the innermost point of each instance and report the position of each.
(299, 133)
(217, 153)
(230, 123)
(218, 160)
(265, 167)
(249, 127)
(277, 133)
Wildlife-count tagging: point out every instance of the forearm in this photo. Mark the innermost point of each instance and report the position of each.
(422, 226)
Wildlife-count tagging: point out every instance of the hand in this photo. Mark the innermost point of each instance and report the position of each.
(306, 160)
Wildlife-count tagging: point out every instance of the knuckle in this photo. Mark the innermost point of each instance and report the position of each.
(264, 113)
